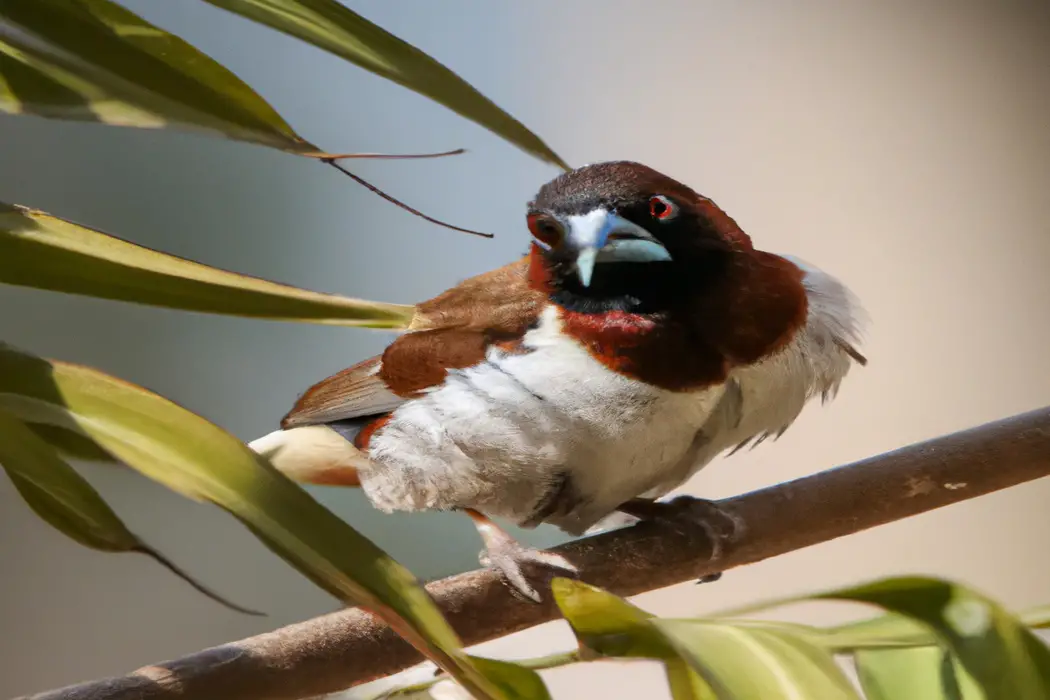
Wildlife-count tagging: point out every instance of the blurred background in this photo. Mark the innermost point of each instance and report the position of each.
(904, 147)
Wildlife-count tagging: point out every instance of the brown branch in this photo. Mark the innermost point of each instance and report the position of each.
(342, 649)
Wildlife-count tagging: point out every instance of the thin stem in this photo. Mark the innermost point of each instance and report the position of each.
(399, 203)
(385, 156)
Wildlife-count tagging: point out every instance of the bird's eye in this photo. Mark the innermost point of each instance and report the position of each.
(662, 208)
(545, 229)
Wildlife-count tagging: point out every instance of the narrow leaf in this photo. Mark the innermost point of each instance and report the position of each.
(756, 664)
(1004, 657)
(69, 443)
(67, 502)
(186, 453)
(685, 684)
(42, 251)
(331, 26)
(922, 673)
(93, 60)
(516, 681)
(606, 624)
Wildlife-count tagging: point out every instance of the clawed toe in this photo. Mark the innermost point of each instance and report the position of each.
(521, 567)
(719, 524)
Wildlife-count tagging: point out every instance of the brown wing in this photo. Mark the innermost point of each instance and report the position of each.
(451, 331)
(354, 392)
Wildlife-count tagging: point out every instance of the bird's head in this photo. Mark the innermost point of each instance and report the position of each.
(623, 229)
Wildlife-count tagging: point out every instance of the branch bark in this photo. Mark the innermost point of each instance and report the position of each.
(345, 648)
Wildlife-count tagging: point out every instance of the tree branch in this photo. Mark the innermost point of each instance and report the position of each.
(345, 648)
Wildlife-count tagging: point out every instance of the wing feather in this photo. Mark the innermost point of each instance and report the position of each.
(352, 393)
(451, 331)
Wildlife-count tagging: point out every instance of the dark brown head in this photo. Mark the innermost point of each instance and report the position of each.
(621, 233)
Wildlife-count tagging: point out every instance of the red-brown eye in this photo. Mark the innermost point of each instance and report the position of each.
(662, 208)
(545, 229)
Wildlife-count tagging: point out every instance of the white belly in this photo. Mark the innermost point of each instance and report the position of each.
(496, 436)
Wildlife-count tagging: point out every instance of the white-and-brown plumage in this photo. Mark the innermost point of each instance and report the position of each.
(541, 394)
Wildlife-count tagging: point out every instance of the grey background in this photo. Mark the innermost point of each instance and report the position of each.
(903, 146)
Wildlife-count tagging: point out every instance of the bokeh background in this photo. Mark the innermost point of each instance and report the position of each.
(902, 146)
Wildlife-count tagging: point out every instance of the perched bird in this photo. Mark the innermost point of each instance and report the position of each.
(641, 336)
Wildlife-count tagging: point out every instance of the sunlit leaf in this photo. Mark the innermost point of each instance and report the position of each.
(685, 684)
(94, 60)
(1004, 657)
(921, 673)
(67, 502)
(516, 681)
(1037, 618)
(187, 453)
(745, 663)
(607, 624)
(43, 251)
(892, 630)
(71, 444)
(331, 26)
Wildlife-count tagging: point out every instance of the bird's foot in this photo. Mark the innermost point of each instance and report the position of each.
(683, 513)
(523, 568)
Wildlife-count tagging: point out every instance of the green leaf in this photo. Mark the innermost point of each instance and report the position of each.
(331, 26)
(67, 502)
(1004, 657)
(69, 443)
(892, 630)
(42, 251)
(93, 60)
(516, 681)
(607, 624)
(889, 630)
(1037, 618)
(921, 673)
(187, 453)
(751, 663)
(685, 684)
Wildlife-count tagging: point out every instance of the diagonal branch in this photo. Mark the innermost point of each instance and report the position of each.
(345, 648)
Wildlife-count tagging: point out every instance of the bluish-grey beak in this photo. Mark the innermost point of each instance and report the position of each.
(602, 236)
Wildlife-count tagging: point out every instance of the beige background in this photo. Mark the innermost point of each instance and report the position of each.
(904, 147)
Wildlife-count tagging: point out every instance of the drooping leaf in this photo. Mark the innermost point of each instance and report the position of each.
(332, 26)
(892, 630)
(43, 251)
(187, 453)
(1036, 618)
(1004, 657)
(67, 502)
(920, 673)
(685, 684)
(71, 444)
(516, 681)
(94, 60)
(750, 663)
(606, 624)
(417, 691)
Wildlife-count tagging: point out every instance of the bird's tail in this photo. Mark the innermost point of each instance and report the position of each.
(312, 454)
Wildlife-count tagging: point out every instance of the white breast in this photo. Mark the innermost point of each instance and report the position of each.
(764, 399)
(497, 435)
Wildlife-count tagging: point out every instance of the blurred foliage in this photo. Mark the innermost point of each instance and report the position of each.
(94, 60)
(910, 655)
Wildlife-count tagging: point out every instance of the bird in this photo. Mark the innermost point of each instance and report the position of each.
(640, 336)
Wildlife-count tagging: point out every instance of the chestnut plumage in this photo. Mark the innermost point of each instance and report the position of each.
(642, 336)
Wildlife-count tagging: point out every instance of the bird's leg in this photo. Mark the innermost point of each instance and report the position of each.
(515, 561)
(720, 525)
